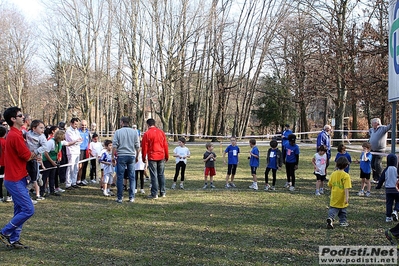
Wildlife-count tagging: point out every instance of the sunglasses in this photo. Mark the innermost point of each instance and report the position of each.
(5, 124)
(20, 115)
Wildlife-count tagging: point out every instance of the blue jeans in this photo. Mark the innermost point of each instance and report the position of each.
(122, 163)
(157, 169)
(23, 208)
(332, 212)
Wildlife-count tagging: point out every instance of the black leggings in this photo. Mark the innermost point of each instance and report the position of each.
(274, 172)
(180, 165)
(141, 172)
(290, 170)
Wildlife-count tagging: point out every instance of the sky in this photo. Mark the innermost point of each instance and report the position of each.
(30, 8)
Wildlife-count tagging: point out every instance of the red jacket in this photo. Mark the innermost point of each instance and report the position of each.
(16, 155)
(154, 145)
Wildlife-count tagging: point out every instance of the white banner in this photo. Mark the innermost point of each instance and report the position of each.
(393, 84)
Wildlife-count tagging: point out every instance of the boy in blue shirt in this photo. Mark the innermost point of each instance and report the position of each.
(253, 163)
(365, 169)
(274, 161)
(291, 161)
(232, 152)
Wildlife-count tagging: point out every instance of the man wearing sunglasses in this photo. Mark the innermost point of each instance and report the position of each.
(16, 156)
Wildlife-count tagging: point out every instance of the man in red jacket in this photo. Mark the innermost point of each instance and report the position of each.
(154, 148)
(15, 157)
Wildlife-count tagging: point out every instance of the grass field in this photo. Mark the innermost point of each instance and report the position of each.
(195, 226)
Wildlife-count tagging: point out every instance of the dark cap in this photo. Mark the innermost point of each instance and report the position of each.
(61, 125)
(286, 125)
(291, 137)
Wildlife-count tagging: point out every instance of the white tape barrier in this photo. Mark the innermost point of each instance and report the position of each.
(66, 165)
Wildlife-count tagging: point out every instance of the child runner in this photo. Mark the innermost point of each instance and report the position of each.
(319, 161)
(291, 161)
(389, 176)
(108, 170)
(274, 161)
(95, 148)
(140, 167)
(340, 183)
(253, 163)
(181, 153)
(37, 143)
(232, 152)
(209, 159)
(365, 169)
(342, 152)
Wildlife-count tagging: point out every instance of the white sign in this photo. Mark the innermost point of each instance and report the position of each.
(393, 73)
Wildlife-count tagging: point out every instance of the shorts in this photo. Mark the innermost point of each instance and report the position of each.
(253, 170)
(210, 171)
(108, 178)
(231, 169)
(320, 177)
(364, 175)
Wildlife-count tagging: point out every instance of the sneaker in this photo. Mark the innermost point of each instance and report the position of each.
(59, 190)
(173, 186)
(39, 180)
(5, 239)
(344, 224)
(30, 185)
(135, 191)
(69, 188)
(142, 191)
(152, 197)
(55, 194)
(255, 187)
(330, 223)
(286, 185)
(131, 200)
(18, 245)
(368, 194)
(267, 187)
(163, 195)
(252, 185)
(106, 194)
(181, 186)
(361, 193)
(292, 188)
(391, 238)
(119, 200)
(233, 185)
(34, 202)
(40, 198)
(8, 199)
(93, 181)
(205, 186)
(84, 182)
(227, 186)
(212, 186)
(317, 193)
(76, 186)
(388, 219)
(321, 191)
(272, 188)
(395, 215)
